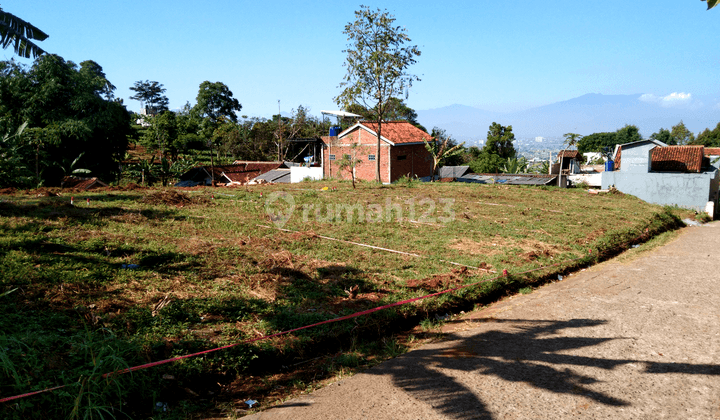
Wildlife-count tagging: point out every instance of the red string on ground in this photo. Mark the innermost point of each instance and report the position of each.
(329, 321)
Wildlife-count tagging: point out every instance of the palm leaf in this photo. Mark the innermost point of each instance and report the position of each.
(19, 33)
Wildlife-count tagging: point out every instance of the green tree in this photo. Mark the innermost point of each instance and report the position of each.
(500, 141)
(664, 136)
(350, 161)
(377, 61)
(20, 34)
(708, 138)
(681, 134)
(487, 163)
(188, 126)
(441, 147)
(14, 169)
(68, 114)
(162, 134)
(628, 134)
(596, 142)
(571, 139)
(396, 110)
(497, 150)
(151, 96)
(215, 105)
(215, 101)
(515, 166)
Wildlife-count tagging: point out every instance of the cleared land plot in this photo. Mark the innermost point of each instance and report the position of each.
(139, 275)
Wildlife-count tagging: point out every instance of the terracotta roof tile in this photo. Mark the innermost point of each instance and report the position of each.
(677, 159)
(398, 132)
(572, 154)
(712, 151)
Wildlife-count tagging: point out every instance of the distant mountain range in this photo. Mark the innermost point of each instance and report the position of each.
(587, 114)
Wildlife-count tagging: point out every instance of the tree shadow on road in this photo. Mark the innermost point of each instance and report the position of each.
(527, 351)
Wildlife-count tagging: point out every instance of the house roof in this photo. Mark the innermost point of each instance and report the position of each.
(617, 153)
(393, 132)
(452, 171)
(617, 157)
(672, 158)
(509, 179)
(712, 151)
(81, 183)
(677, 158)
(239, 171)
(280, 176)
(571, 154)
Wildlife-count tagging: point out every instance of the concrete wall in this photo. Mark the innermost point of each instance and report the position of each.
(299, 173)
(592, 179)
(636, 158)
(688, 190)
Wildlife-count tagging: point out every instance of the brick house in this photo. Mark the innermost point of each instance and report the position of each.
(402, 151)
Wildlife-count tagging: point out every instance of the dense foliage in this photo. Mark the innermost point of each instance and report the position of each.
(70, 112)
(599, 142)
(496, 152)
(709, 138)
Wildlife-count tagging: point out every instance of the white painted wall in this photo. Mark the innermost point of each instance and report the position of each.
(298, 173)
(593, 180)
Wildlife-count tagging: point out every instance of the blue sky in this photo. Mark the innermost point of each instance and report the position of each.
(497, 56)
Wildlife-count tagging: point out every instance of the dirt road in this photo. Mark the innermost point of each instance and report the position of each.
(635, 340)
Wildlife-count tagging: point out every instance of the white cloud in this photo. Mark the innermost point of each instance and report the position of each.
(648, 97)
(671, 100)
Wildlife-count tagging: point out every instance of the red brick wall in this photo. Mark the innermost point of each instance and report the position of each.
(364, 170)
(417, 162)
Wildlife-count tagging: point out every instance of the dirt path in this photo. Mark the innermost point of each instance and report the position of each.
(635, 340)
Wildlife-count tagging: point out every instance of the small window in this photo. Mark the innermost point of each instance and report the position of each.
(371, 158)
(346, 157)
(332, 157)
(402, 157)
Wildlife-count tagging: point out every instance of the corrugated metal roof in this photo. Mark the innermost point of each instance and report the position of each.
(509, 179)
(278, 176)
(452, 171)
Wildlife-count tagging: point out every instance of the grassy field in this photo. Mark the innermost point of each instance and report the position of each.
(127, 276)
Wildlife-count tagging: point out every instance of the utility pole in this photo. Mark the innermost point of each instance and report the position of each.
(279, 131)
